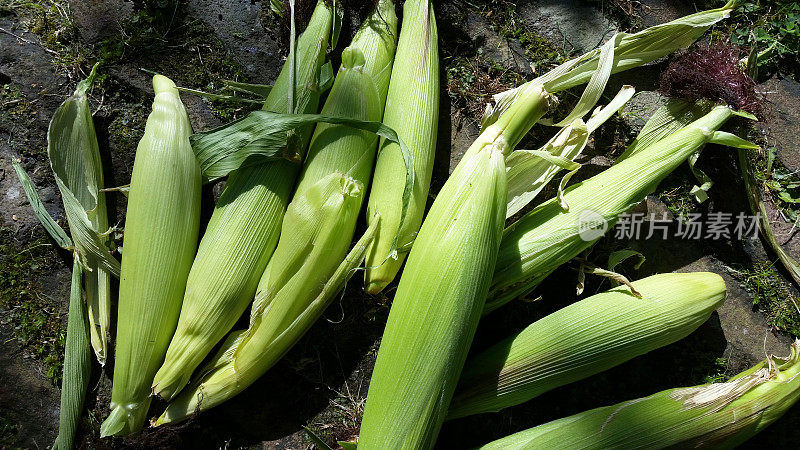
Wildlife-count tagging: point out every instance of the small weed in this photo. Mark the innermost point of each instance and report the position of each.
(775, 24)
(9, 430)
(772, 296)
(718, 371)
(675, 192)
(471, 82)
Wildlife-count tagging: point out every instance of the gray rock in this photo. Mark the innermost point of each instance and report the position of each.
(463, 133)
(573, 24)
(747, 332)
(237, 24)
(641, 107)
(505, 52)
(782, 126)
(99, 19)
(654, 12)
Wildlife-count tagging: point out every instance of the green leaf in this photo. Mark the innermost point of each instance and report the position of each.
(75, 159)
(211, 96)
(316, 439)
(77, 364)
(47, 221)
(731, 140)
(671, 117)
(262, 136)
(700, 192)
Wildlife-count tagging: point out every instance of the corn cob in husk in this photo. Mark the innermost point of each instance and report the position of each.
(441, 293)
(75, 159)
(548, 236)
(161, 229)
(586, 338)
(412, 110)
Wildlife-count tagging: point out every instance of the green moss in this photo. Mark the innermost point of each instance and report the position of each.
(14, 104)
(675, 192)
(178, 46)
(127, 128)
(772, 296)
(9, 431)
(36, 324)
(472, 80)
(718, 372)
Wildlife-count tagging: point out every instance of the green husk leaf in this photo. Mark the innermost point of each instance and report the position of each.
(53, 229)
(669, 118)
(124, 189)
(630, 50)
(261, 136)
(529, 171)
(602, 114)
(77, 364)
(721, 138)
(597, 83)
(326, 76)
(732, 140)
(700, 192)
(316, 439)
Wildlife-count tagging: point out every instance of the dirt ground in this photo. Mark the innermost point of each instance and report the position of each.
(486, 46)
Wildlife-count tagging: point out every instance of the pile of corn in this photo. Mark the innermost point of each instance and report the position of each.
(279, 245)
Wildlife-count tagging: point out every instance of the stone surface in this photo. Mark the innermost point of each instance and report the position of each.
(99, 19)
(507, 53)
(237, 24)
(782, 125)
(654, 12)
(577, 26)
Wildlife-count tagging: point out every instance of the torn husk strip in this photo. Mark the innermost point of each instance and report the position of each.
(757, 207)
(528, 172)
(717, 415)
(412, 109)
(244, 228)
(440, 296)
(77, 364)
(161, 228)
(318, 226)
(75, 159)
(548, 236)
(585, 338)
